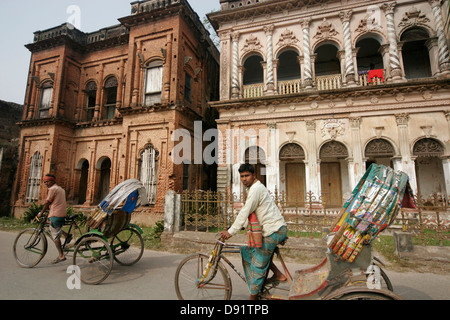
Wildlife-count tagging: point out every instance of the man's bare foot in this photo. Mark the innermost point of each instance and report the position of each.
(278, 278)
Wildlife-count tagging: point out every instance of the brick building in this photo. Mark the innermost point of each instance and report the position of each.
(101, 107)
(313, 91)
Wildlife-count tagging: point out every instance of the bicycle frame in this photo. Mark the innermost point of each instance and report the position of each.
(43, 229)
(217, 255)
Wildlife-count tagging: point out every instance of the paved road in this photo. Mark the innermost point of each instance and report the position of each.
(152, 279)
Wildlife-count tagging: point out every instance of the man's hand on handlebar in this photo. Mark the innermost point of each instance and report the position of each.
(225, 235)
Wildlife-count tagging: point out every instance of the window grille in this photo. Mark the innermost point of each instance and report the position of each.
(34, 178)
(149, 172)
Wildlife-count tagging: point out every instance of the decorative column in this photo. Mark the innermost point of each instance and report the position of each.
(225, 69)
(446, 169)
(99, 94)
(120, 87)
(270, 79)
(307, 72)
(52, 111)
(272, 158)
(349, 67)
(235, 61)
(62, 90)
(34, 88)
(313, 170)
(167, 68)
(358, 166)
(444, 60)
(394, 60)
(137, 74)
(407, 164)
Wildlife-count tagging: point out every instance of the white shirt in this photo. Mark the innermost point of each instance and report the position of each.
(260, 202)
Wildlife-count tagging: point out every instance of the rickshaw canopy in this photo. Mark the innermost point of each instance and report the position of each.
(130, 191)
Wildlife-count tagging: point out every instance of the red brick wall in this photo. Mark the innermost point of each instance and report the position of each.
(68, 138)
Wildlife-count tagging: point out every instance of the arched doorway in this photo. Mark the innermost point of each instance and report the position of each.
(83, 182)
(104, 176)
(379, 151)
(332, 164)
(429, 170)
(257, 157)
(292, 158)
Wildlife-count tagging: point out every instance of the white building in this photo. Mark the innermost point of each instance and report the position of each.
(321, 89)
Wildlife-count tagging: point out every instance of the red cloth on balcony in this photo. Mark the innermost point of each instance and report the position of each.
(376, 74)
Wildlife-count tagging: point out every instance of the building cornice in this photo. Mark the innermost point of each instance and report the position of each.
(334, 95)
(67, 35)
(261, 9)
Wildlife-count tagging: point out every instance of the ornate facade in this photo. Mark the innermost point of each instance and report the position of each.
(317, 90)
(101, 107)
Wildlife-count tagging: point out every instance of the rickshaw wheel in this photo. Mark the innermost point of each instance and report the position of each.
(128, 246)
(93, 256)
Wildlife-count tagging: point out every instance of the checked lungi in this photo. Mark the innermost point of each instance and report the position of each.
(256, 261)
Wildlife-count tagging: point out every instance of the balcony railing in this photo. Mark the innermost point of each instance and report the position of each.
(289, 87)
(371, 78)
(328, 82)
(253, 91)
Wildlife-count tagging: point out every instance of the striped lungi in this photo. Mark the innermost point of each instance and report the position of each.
(256, 261)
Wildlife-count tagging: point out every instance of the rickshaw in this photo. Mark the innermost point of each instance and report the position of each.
(109, 236)
(349, 270)
(93, 254)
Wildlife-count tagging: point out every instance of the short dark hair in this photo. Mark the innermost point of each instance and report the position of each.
(246, 167)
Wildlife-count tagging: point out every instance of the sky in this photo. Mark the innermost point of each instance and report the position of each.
(19, 19)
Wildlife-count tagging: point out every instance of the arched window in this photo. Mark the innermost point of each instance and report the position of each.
(370, 62)
(153, 83)
(111, 85)
(253, 72)
(416, 58)
(34, 178)
(327, 62)
(45, 99)
(148, 172)
(91, 97)
(289, 67)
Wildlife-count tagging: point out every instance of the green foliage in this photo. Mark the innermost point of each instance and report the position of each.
(152, 236)
(81, 218)
(32, 212)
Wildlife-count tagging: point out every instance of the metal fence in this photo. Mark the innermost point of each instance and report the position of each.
(214, 211)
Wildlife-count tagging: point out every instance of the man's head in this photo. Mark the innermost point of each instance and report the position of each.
(49, 180)
(247, 173)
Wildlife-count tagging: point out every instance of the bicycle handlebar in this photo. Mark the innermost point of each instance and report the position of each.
(39, 220)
